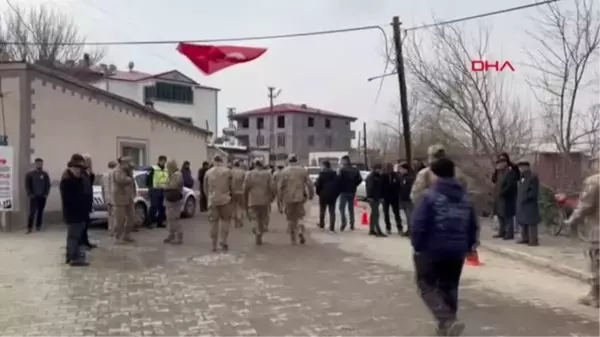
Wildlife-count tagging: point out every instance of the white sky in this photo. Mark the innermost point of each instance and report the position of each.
(328, 72)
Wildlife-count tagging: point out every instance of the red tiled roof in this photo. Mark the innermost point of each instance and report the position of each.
(291, 108)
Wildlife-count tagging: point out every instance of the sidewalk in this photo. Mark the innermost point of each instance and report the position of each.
(558, 254)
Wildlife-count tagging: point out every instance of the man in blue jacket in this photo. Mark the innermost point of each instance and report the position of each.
(443, 232)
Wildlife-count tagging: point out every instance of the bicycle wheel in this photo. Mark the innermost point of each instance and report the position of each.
(554, 226)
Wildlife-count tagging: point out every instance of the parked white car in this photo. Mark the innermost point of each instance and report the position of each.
(141, 200)
(361, 190)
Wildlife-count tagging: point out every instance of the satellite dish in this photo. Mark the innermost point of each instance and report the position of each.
(130, 65)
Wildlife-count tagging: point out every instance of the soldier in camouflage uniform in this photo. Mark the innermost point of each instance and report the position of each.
(276, 179)
(217, 187)
(107, 188)
(237, 197)
(123, 193)
(173, 200)
(292, 189)
(585, 221)
(423, 179)
(259, 194)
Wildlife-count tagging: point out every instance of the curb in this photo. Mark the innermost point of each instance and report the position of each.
(537, 261)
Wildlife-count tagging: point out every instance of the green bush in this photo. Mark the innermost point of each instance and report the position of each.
(549, 210)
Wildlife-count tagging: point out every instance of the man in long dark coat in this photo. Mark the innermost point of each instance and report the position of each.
(528, 212)
(506, 200)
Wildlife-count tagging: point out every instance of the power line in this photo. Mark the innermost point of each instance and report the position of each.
(483, 15)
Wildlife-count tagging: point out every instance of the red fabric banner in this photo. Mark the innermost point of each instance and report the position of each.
(210, 59)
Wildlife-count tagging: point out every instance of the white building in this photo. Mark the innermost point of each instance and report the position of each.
(51, 115)
(170, 92)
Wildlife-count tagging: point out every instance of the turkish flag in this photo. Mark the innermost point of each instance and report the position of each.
(210, 59)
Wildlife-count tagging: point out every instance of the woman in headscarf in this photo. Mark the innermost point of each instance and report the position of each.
(173, 199)
(186, 173)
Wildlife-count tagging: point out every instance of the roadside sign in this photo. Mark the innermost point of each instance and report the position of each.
(6, 178)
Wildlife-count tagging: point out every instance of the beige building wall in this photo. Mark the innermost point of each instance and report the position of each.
(67, 116)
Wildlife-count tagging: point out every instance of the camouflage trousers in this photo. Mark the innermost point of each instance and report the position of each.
(110, 221)
(220, 222)
(123, 220)
(294, 212)
(173, 213)
(259, 216)
(238, 205)
(592, 257)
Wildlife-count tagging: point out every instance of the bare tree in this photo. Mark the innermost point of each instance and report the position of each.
(568, 43)
(478, 109)
(52, 33)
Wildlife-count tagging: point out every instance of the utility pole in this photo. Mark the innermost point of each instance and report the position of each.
(272, 96)
(403, 94)
(364, 134)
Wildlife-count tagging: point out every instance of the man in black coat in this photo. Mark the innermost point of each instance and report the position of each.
(74, 209)
(407, 178)
(528, 211)
(350, 178)
(506, 200)
(391, 198)
(88, 176)
(328, 189)
(37, 186)
(374, 189)
(203, 197)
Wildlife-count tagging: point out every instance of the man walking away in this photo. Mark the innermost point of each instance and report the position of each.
(444, 231)
(123, 192)
(88, 188)
(291, 190)
(391, 198)
(349, 180)
(237, 201)
(584, 221)
(374, 189)
(37, 186)
(74, 209)
(107, 195)
(173, 200)
(258, 196)
(327, 188)
(528, 211)
(156, 180)
(203, 197)
(186, 174)
(407, 177)
(506, 200)
(217, 186)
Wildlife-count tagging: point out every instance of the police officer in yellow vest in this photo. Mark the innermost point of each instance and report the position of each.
(156, 181)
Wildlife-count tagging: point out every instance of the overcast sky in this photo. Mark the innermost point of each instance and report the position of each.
(327, 72)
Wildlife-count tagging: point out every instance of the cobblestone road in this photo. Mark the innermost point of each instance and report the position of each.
(277, 289)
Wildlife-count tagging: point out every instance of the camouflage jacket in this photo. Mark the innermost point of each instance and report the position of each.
(237, 180)
(217, 185)
(258, 188)
(585, 219)
(123, 189)
(108, 184)
(294, 185)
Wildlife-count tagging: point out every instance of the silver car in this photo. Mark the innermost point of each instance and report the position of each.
(141, 200)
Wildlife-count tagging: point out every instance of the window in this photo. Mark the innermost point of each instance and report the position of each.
(280, 122)
(311, 122)
(281, 140)
(140, 180)
(137, 152)
(244, 123)
(260, 140)
(328, 141)
(311, 140)
(327, 123)
(168, 92)
(260, 123)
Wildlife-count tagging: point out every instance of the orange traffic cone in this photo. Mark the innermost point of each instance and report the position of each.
(364, 218)
(473, 259)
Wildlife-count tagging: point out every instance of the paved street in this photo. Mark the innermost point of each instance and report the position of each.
(342, 284)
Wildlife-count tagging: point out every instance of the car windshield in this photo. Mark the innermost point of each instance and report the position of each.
(140, 180)
(98, 180)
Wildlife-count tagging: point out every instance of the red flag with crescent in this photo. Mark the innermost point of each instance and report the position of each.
(210, 59)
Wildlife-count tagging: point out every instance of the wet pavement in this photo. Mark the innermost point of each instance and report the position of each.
(331, 286)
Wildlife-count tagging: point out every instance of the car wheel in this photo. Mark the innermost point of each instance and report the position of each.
(189, 208)
(141, 212)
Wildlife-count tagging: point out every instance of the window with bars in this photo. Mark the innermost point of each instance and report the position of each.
(281, 140)
(168, 92)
